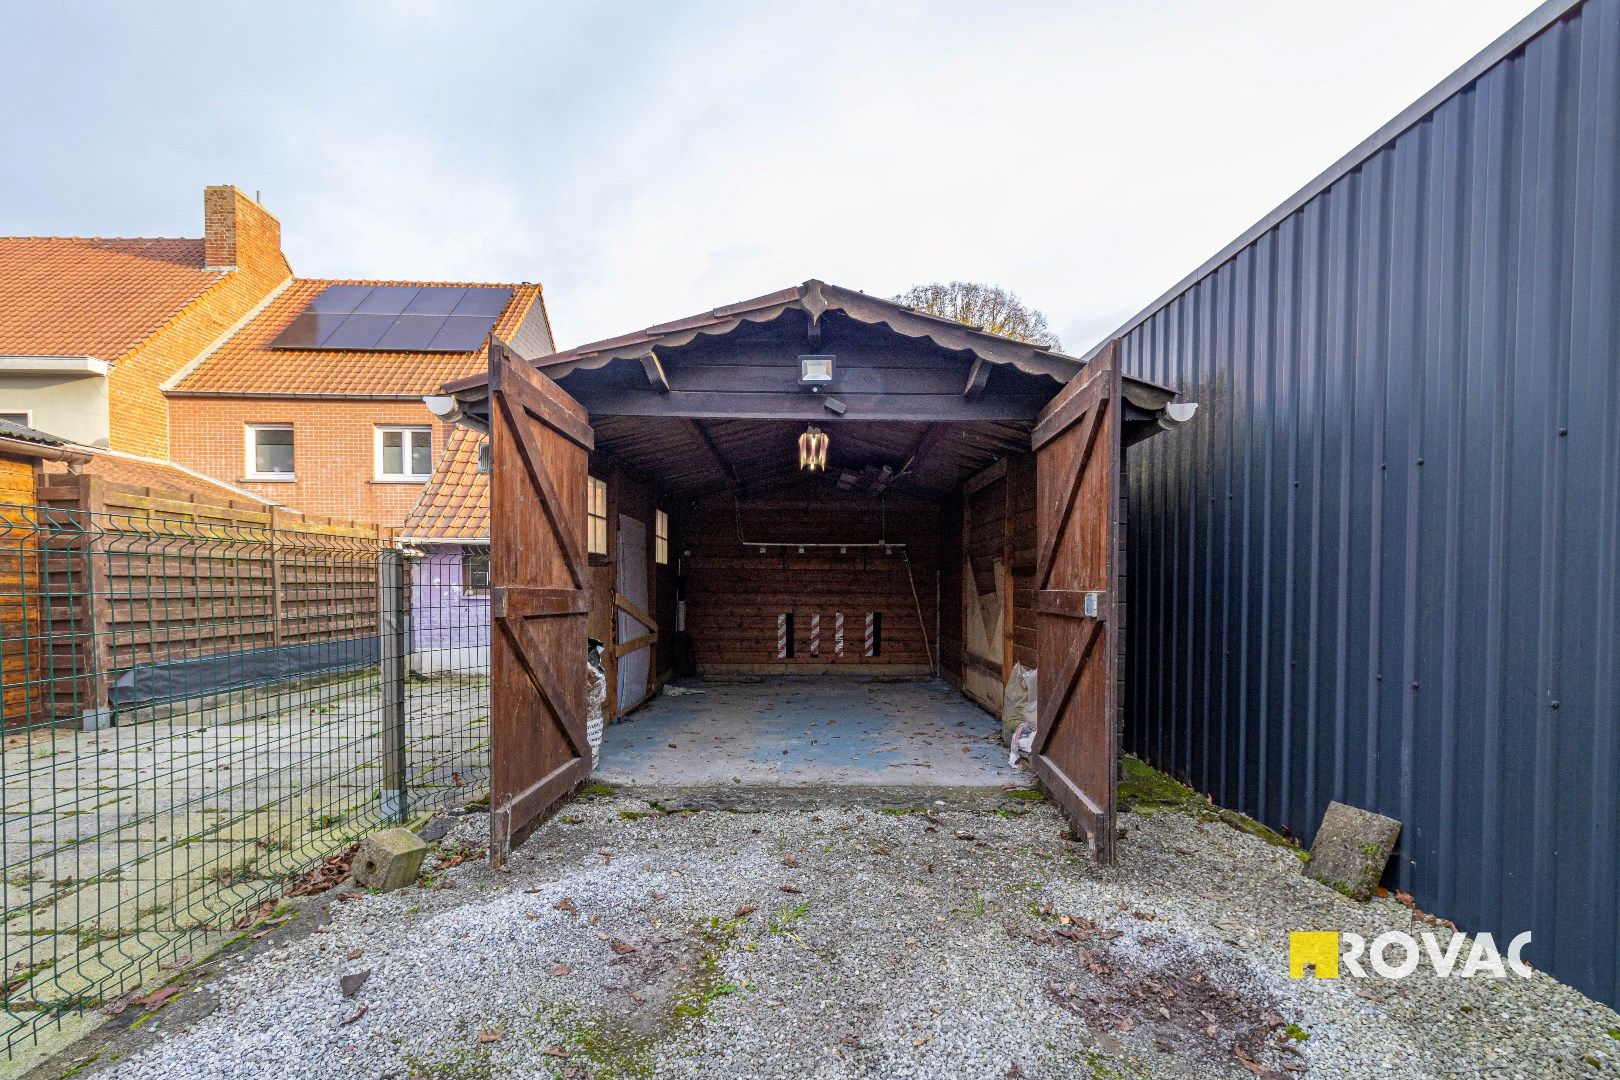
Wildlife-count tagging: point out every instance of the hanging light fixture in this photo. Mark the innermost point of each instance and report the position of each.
(813, 449)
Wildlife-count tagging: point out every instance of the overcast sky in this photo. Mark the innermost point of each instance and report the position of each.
(646, 161)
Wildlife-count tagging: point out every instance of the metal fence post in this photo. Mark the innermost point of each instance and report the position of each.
(391, 630)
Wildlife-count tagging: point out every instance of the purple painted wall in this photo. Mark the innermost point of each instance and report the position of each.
(449, 627)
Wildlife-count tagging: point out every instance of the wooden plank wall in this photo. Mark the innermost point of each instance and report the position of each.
(735, 591)
(998, 531)
(950, 589)
(162, 575)
(629, 494)
(19, 600)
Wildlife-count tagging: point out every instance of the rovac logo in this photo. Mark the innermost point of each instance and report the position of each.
(1396, 954)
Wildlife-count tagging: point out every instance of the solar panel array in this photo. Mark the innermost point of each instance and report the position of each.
(396, 318)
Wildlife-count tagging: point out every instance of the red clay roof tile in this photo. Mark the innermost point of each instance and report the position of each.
(455, 503)
(88, 296)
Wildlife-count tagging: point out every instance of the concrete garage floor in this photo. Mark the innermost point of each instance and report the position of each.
(787, 731)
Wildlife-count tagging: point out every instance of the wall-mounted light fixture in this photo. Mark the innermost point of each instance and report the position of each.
(813, 449)
(815, 369)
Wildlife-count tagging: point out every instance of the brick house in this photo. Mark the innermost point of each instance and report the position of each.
(281, 410)
(179, 350)
(91, 327)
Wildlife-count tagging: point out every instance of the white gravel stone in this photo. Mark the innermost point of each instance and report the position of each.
(906, 952)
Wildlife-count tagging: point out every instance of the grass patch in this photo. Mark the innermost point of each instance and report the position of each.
(595, 789)
(1297, 1033)
(1027, 794)
(789, 917)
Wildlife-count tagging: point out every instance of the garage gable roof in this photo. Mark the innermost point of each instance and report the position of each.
(815, 298)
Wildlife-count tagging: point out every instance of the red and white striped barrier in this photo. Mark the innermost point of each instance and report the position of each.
(781, 636)
(815, 634)
(838, 635)
(871, 632)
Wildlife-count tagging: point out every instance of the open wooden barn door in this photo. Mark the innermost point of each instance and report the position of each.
(1080, 558)
(540, 443)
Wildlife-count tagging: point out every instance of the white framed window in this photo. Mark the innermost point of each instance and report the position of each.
(25, 418)
(596, 518)
(475, 571)
(660, 538)
(269, 452)
(404, 453)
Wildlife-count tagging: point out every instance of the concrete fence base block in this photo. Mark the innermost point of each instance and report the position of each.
(1351, 848)
(389, 859)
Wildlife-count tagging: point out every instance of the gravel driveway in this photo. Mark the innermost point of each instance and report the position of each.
(946, 935)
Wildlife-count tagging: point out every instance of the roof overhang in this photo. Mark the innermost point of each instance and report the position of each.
(77, 366)
(464, 400)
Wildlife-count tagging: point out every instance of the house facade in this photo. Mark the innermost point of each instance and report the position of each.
(208, 353)
(312, 403)
(91, 327)
(447, 532)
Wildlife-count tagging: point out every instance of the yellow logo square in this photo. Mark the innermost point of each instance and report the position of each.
(1318, 949)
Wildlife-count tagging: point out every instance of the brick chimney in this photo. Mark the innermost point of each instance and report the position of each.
(239, 233)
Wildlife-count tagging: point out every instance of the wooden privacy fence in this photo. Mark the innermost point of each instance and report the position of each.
(135, 585)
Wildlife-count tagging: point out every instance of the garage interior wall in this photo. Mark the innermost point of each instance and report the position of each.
(637, 499)
(735, 592)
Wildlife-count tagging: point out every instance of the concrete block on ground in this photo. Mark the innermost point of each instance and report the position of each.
(1351, 849)
(389, 859)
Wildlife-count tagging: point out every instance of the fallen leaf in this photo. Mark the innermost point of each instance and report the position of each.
(745, 911)
(565, 904)
(177, 963)
(352, 1017)
(790, 888)
(354, 954)
(492, 1034)
(790, 861)
(351, 984)
(553, 1051)
(157, 997)
(623, 948)
(535, 890)
(559, 970)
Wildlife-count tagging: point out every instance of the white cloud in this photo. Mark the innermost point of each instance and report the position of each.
(649, 161)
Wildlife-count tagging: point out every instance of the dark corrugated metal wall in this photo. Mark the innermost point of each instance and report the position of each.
(1380, 566)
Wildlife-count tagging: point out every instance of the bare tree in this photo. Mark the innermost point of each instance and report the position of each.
(983, 307)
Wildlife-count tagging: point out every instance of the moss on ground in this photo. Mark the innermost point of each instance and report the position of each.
(1145, 790)
(611, 1047)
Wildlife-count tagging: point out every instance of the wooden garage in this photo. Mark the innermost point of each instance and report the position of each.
(813, 481)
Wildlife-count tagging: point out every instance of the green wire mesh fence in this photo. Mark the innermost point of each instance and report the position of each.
(198, 708)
